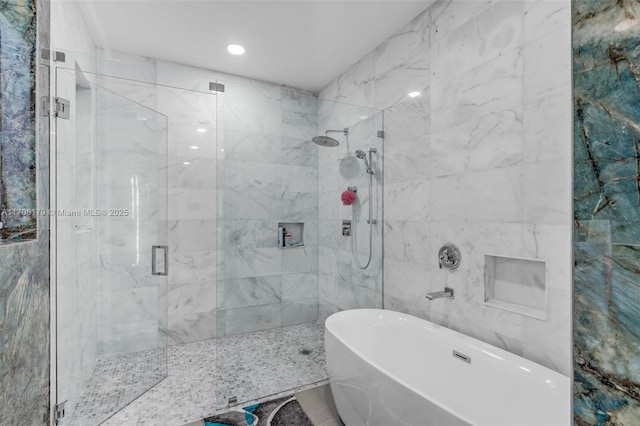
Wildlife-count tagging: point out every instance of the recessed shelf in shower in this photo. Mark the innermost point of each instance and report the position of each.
(290, 235)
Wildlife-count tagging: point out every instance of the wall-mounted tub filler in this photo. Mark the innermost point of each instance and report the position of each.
(447, 293)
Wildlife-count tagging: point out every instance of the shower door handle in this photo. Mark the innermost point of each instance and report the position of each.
(154, 260)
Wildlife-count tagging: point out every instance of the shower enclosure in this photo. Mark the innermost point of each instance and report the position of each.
(151, 157)
(274, 292)
(110, 247)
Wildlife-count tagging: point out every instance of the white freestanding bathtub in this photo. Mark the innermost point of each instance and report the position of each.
(387, 368)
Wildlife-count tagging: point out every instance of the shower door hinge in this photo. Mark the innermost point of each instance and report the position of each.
(59, 413)
(381, 134)
(48, 54)
(216, 87)
(61, 108)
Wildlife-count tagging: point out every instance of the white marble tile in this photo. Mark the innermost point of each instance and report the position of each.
(353, 296)
(547, 128)
(127, 338)
(254, 109)
(299, 286)
(192, 327)
(408, 160)
(328, 288)
(447, 16)
(299, 125)
(247, 319)
(191, 235)
(299, 260)
(248, 146)
(553, 244)
(294, 99)
(244, 263)
(298, 152)
(187, 107)
(487, 196)
(142, 92)
(251, 205)
(254, 291)
(490, 88)
(249, 233)
(547, 192)
(118, 270)
(252, 176)
(545, 16)
(405, 287)
(494, 141)
(408, 201)
(492, 33)
(408, 120)
(299, 178)
(400, 47)
(407, 241)
(191, 172)
(299, 206)
(394, 86)
(192, 267)
(547, 65)
(549, 342)
(299, 311)
(181, 137)
(126, 66)
(356, 85)
(125, 235)
(191, 204)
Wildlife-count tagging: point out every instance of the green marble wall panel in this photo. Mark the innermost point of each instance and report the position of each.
(17, 120)
(24, 267)
(606, 83)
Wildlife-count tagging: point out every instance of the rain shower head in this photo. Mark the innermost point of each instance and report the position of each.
(328, 141)
(325, 141)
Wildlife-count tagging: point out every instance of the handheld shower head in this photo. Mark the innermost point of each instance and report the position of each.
(361, 155)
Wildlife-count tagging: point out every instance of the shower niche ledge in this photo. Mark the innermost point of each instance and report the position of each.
(516, 284)
(290, 235)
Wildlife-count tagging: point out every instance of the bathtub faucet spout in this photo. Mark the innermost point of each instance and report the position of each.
(448, 293)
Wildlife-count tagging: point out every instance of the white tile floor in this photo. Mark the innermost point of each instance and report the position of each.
(252, 366)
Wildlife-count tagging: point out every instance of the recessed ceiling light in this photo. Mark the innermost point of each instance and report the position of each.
(186, 162)
(414, 94)
(201, 130)
(363, 117)
(235, 49)
(194, 147)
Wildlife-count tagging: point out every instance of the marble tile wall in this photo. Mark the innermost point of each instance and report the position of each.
(18, 144)
(24, 271)
(606, 340)
(267, 175)
(481, 159)
(342, 284)
(255, 166)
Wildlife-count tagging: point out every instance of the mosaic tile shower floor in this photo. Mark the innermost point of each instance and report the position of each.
(203, 375)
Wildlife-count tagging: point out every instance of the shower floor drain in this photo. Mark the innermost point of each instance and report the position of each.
(306, 352)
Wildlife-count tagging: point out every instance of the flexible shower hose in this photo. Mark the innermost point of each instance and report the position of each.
(354, 244)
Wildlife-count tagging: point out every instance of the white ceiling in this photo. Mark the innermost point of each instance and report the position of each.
(304, 43)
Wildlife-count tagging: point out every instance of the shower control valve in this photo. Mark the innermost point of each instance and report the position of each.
(449, 256)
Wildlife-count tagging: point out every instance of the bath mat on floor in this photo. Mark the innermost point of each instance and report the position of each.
(285, 411)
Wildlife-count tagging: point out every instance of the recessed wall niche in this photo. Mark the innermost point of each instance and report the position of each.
(516, 284)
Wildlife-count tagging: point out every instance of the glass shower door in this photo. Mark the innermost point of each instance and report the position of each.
(110, 249)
